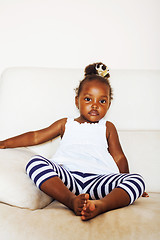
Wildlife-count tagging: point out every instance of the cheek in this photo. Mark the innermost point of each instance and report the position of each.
(84, 106)
(104, 109)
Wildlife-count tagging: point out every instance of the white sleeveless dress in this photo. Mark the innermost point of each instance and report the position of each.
(84, 148)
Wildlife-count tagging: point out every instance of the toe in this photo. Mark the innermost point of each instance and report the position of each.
(87, 196)
(92, 207)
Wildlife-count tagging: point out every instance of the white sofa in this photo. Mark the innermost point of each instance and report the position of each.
(33, 98)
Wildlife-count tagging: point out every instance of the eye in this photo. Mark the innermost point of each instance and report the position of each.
(103, 101)
(87, 99)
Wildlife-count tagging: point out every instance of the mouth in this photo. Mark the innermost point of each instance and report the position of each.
(94, 113)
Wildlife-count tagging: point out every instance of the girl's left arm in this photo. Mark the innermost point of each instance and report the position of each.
(115, 149)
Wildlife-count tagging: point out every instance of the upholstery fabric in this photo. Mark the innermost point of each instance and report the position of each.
(55, 222)
(16, 188)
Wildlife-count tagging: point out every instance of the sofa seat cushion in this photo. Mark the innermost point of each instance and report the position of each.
(138, 221)
(16, 188)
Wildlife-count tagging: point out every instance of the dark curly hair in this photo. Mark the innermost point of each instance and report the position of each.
(91, 73)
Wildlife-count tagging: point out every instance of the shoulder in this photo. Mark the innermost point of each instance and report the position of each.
(58, 126)
(110, 129)
(110, 125)
(61, 123)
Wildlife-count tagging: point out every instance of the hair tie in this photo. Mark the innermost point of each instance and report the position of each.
(102, 70)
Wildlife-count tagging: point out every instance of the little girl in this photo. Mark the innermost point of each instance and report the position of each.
(89, 172)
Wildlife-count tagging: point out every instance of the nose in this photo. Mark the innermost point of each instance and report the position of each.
(94, 106)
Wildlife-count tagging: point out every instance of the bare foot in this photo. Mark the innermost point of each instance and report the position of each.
(79, 202)
(92, 208)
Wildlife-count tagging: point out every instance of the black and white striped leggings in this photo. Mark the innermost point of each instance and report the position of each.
(97, 186)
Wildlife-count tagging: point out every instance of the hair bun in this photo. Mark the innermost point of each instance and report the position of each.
(97, 68)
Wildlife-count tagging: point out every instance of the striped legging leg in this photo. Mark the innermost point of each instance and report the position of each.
(102, 185)
(97, 186)
(40, 169)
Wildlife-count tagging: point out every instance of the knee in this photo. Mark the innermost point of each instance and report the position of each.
(139, 178)
(33, 164)
(138, 182)
(39, 169)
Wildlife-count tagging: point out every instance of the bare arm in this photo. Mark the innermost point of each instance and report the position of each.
(115, 148)
(35, 137)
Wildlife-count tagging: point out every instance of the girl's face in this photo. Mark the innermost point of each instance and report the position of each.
(93, 101)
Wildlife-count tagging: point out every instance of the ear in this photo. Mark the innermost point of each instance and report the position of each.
(76, 102)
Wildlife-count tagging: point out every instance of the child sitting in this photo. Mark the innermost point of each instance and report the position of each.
(89, 172)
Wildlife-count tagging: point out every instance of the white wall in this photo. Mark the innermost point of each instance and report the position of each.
(70, 33)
